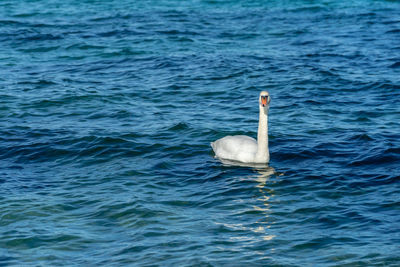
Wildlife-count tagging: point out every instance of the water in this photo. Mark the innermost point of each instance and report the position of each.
(107, 109)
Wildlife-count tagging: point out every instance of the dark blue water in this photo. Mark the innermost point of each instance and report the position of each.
(107, 109)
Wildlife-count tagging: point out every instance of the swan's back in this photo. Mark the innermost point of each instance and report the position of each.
(239, 147)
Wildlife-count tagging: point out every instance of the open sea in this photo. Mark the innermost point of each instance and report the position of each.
(108, 108)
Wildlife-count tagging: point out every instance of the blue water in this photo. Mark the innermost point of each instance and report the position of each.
(107, 109)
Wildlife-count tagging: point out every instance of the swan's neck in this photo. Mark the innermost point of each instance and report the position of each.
(262, 154)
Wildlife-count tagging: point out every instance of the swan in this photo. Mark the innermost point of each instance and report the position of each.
(244, 148)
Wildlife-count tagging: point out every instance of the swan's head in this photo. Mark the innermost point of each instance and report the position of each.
(264, 100)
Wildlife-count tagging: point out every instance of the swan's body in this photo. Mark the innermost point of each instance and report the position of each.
(244, 148)
(238, 147)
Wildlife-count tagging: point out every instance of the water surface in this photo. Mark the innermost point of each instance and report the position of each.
(107, 109)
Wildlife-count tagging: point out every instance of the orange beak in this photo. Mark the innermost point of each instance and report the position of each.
(264, 100)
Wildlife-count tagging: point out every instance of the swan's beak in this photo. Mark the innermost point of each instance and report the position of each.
(264, 100)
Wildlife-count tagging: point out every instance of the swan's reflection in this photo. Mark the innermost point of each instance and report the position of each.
(231, 163)
(263, 176)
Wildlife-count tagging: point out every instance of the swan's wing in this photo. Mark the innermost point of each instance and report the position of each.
(238, 147)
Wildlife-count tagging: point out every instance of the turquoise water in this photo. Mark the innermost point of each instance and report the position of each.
(107, 109)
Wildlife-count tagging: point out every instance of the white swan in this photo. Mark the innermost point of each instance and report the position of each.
(243, 148)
